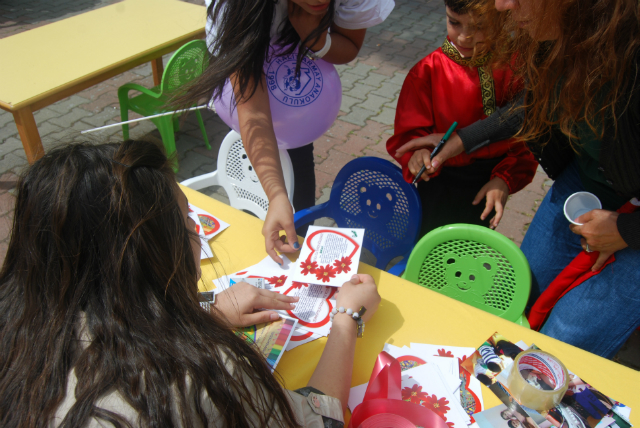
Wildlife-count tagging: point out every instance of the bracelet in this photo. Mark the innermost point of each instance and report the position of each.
(322, 52)
(357, 317)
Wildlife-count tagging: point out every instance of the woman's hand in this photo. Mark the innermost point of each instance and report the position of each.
(241, 304)
(497, 193)
(452, 147)
(279, 217)
(418, 160)
(600, 231)
(360, 291)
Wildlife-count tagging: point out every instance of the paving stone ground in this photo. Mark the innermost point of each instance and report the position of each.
(371, 84)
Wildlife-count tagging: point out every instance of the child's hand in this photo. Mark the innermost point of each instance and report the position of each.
(418, 160)
(361, 290)
(497, 192)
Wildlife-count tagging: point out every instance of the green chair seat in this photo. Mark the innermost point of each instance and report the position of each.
(474, 265)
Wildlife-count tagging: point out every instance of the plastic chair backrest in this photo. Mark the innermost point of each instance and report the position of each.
(236, 175)
(475, 265)
(186, 64)
(370, 193)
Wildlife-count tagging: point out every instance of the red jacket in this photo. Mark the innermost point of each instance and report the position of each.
(443, 88)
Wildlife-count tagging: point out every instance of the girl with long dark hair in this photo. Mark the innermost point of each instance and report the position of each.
(580, 116)
(239, 35)
(100, 322)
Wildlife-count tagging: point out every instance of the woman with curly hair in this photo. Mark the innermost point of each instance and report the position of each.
(100, 323)
(580, 116)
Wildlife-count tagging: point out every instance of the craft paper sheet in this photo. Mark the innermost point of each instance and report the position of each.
(207, 226)
(314, 307)
(329, 256)
(271, 338)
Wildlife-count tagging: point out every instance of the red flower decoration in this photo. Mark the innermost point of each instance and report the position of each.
(438, 405)
(343, 265)
(277, 281)
(325, 273)
(414, 394)
(449, 424)
(442, 353)
(308, 267)
(296, 284)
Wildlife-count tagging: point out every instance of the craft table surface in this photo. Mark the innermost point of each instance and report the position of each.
(408, 313)
(51, 58)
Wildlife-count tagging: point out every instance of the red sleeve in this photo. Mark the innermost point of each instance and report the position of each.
(518, 167)
(414, 114)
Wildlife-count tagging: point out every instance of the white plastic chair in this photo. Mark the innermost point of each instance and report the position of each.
(236, 175)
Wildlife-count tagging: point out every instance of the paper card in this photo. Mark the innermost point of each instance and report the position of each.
(274, 274)
(314, 307)
(329, 256)
(205, 249)
(424, 385)
(210, 225)
(470, 387)
(271, 338)
(300, 337)
(503, 417)
(356, 395)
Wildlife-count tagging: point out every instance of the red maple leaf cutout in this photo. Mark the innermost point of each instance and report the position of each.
(325, 273)
(449, 424)
(296, 284)
(308, 267)
(443, 353)
(277, 281)
(414, 394)
(343, 265)
(438, 405)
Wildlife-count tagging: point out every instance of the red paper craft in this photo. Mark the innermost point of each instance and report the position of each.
(383, 404)
(311, 324)
(309, 267)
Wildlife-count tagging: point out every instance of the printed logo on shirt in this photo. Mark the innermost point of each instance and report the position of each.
(289, 89)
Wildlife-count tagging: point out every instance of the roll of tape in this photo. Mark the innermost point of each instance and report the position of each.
(529, 391)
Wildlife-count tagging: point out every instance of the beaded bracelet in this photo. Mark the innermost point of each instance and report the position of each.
(357, 317)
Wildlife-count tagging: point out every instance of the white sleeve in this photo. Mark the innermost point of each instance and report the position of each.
(359, 14)
(211, 30)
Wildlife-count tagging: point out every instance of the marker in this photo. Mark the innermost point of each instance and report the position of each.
(436, 150)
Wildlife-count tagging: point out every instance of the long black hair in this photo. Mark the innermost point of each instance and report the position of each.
(241, 46)
(99, 242)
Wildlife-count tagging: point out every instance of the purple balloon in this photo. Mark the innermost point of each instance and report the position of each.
(301, 109)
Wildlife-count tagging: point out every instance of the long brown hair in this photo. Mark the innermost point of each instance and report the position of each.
(98, 235)
(242, 45)
(585, 75)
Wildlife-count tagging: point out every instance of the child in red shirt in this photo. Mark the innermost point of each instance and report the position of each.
(449, 85)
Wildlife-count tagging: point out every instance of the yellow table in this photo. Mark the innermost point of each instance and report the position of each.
(408, 313)
(49, 63)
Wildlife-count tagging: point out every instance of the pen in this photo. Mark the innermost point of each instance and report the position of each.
(436, 150)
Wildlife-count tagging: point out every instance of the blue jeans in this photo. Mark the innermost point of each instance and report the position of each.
(600, 314)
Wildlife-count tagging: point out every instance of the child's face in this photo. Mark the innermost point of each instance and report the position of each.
(313, 7)
(463, 32)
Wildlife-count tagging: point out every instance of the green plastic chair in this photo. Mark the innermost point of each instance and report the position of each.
(185, 65)
(474, 265)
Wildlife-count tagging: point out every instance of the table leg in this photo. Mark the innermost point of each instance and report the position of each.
(29, 134)
(157, 68)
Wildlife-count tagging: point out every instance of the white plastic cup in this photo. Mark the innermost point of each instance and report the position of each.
(580, 203)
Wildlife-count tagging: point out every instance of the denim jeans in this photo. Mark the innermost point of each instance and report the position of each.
(600, 314)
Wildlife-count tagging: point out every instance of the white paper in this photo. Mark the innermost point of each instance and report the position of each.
(210, 225)
(272, 272)
(314, 307)
(300, 337)
(329, 256)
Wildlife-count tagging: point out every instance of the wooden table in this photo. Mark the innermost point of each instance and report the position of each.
(49, 63)
(408, 313)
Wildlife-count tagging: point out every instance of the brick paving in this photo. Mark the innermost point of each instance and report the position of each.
(371, 84)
